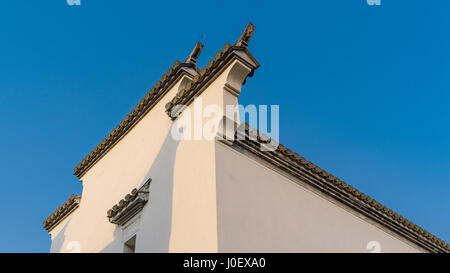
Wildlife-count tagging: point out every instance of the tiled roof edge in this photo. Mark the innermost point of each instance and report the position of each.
(146, 104)
(297, 165)
(62, 212)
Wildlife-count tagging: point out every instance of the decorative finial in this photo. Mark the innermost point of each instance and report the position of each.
(246, 35)
(192, 59)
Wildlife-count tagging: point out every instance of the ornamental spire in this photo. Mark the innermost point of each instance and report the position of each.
(246, 35)
(192, 59)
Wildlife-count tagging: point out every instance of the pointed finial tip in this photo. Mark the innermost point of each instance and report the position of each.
(246, 35)
(195, 54)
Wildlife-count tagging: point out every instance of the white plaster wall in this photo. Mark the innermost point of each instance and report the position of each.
(181, 213)
(205, 197)
(259, 210)
(144, 152)
(60, 242)
(194, 214)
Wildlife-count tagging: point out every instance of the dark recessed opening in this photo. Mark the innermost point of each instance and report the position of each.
(130, 245)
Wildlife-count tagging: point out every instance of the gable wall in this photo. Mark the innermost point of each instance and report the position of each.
(180, 215)
(261, 210)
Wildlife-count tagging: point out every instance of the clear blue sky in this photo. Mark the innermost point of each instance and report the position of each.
(364, 92)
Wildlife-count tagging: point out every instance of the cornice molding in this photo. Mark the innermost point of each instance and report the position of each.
(62, 212)
(295, 165)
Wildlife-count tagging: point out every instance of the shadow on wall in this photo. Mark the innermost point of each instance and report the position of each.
(156, 218)
(58, 241)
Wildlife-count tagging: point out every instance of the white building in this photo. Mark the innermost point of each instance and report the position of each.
(144, 191)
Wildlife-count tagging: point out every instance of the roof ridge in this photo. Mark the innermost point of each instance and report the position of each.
(62, 212)
(198, 79)
(148, 102)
